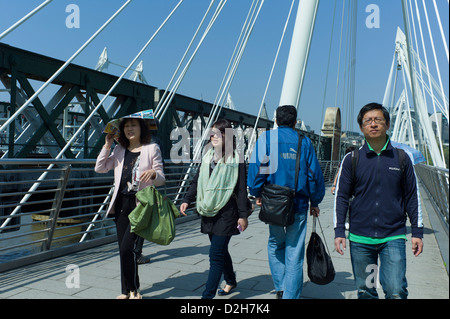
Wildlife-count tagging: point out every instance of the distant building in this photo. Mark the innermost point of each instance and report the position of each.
(439, 123)
(353, 138)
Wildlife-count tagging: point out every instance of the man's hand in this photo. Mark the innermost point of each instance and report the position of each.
(337, 245)
(258, 201)
(314, 211)
(417, 246)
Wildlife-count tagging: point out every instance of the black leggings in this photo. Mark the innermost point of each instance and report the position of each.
(127, 244)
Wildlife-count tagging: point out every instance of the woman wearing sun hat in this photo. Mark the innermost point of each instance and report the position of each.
(137, 163)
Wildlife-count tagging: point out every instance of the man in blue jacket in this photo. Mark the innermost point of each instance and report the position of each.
(385, 191)
(273, 161)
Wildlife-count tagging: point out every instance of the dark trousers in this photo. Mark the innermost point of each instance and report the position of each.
(128, 242)
(219, 263)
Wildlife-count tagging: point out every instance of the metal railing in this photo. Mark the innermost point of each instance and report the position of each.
(435, 182)
(329, 170)
(64, 211)
(41, 218)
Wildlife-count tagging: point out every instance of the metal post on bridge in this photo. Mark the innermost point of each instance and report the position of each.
(56, 207)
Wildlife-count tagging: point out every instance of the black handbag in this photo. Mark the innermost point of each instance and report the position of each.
(277, 202)
(320, 267)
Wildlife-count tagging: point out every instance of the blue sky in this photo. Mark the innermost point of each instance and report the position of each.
(46, 33)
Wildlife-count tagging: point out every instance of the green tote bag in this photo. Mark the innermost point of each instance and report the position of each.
(154, 217)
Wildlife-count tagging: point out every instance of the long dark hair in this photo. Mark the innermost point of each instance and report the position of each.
(146, 135)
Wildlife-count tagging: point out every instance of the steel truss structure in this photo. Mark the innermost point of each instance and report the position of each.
(44, 129)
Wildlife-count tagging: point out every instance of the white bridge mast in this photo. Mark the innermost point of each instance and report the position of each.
(298, 54)
(421, 111)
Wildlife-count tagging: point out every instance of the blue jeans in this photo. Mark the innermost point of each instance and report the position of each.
(219, 263)
(392, 269)
(286, 249)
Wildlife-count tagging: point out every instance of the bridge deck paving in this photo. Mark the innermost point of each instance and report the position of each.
(179, 271)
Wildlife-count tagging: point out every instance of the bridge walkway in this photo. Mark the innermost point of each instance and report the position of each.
(179, 271)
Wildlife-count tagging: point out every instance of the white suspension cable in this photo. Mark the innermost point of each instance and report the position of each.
(352, 67)
(235, 52)
(397, 111)
(408, 109)
(234, 56)
(164, 107)
(199, 144)
(161, 102)
(236, 64)
(255, 127)
(345, 61)
(340, 50)
(58, 72)
(25, 18)
(387, 91)
(417, 51)
(416, 56)
(434, 52)
(81, 128)
(438, 129)
(218, 105)
(444, 41)
(172, 93)
(429, 91)
(118, 80)
(328, 70)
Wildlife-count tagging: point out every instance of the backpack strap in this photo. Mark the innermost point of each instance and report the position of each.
(355, 158)
(297, 160)
(401, 158)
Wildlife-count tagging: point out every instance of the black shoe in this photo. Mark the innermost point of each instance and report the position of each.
(143, 260)
(279, 295)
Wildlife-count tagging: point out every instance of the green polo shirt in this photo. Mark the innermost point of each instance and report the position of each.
(374, 240)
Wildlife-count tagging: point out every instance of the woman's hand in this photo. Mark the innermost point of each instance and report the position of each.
(148, 175)
(109, 139)
(243, 222)
(183, 208)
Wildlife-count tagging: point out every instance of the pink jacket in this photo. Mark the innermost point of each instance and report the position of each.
(150, 159)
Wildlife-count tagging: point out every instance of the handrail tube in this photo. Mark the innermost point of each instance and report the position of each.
(436, 182)
(23, 244)
(87, 212)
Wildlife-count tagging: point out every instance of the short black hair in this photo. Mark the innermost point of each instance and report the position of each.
(286, 115)
(373, 106)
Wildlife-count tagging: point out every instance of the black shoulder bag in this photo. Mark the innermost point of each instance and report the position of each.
(277, 202)
(320, 267)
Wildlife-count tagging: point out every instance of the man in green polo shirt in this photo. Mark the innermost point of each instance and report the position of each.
(384, 194)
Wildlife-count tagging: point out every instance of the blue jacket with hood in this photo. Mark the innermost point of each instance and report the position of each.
(273, 161)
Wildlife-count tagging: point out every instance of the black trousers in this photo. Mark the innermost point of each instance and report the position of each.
(128, 243)
(219, 263)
